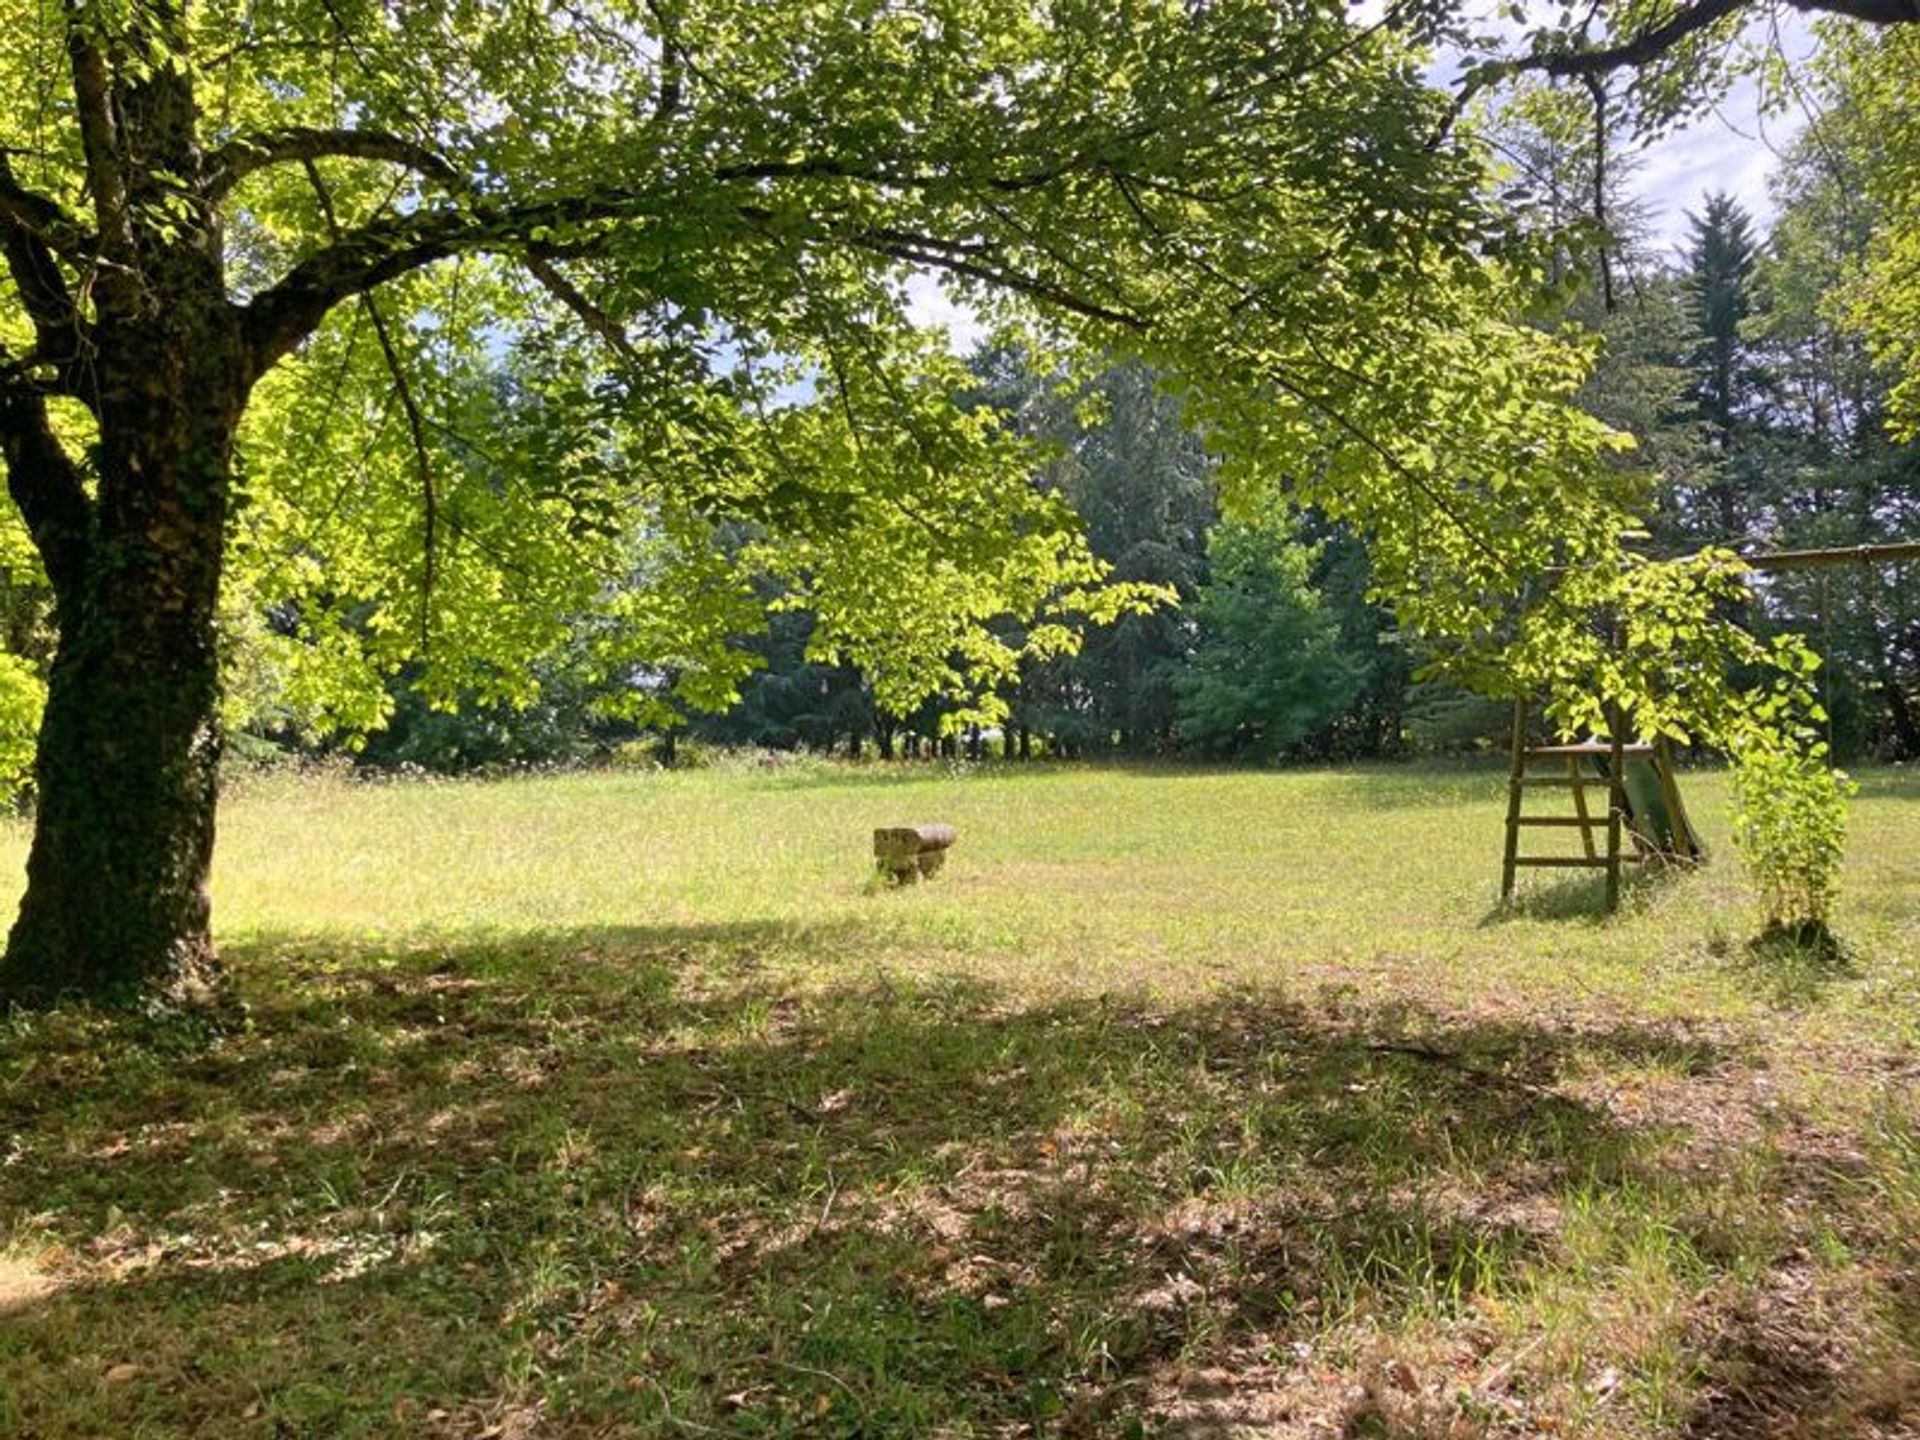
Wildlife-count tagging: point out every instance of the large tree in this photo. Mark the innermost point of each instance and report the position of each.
(730, 200)
(188, 194)
(1141, 481)
(1721, 256)
(1269, 670)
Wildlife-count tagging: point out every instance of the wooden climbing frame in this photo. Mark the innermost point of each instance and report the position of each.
(1567, 766)
(1654, 837)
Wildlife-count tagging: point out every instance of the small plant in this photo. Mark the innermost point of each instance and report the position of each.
(1790, 826)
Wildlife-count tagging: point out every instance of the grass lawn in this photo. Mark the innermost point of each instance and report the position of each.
(1181, 1104)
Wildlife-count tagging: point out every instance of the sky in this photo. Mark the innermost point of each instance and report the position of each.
(1727, 151)
(1735, 148)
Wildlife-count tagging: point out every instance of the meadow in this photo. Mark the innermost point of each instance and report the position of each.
(1182, 1103)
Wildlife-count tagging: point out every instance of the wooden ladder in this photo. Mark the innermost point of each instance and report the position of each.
(1570, 760)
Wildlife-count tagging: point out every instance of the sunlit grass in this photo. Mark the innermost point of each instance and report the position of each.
(1179, 881)
(1186, 1103)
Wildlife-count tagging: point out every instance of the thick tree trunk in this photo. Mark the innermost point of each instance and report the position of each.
(116, 906)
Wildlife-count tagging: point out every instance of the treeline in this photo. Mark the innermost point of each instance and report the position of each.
(1265, 645)
(1759, 419)
(1736, 364)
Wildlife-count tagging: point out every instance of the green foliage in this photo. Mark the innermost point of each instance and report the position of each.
(1445, 719)
(1120, 452)
(1790, 810)
(793, 701)
(1869, 79)
(1756, 416)
(1723, 389)
(1378, 654)
(1269, 671)
(23, 695)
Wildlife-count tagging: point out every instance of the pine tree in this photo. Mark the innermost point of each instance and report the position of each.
(1721, 257)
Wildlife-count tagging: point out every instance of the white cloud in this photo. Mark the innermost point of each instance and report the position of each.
(930, 306)
(1735, 148)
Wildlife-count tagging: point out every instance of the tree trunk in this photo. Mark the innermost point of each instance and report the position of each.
(116, 906)
(1906, 729)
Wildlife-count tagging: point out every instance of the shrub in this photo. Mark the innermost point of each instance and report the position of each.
(1790, 827)
(23, 696)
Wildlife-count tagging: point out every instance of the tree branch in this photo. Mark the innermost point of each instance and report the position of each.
(34, 212)
(280, 317)
(1637, 49)
(60, 334)
(937, 254)
(1873, 12)
(99, 137)
(46, 485)
(1653, 41)
(1597, 90)
(239, 158)
(540, 264)
(416, 425)
(359, 260)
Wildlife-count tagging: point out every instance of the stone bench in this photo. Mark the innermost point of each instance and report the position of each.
(905, 853)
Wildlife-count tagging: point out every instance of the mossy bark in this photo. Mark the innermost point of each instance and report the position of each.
(116, 906)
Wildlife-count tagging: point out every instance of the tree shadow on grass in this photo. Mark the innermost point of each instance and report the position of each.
(1368, 785)
(1888, 782)
(1583, 895)
(1364, 785)
(1441, 784)
(907, 774)
(644, 1182)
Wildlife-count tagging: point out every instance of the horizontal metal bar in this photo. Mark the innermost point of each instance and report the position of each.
(1897, 552)
(1892, 554)
(1598, 822)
